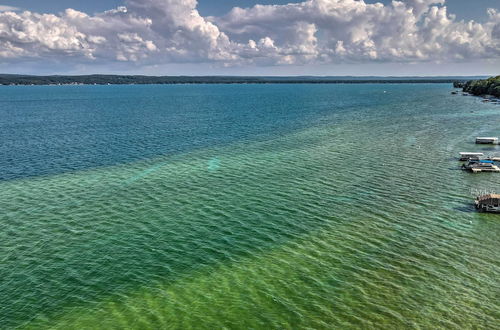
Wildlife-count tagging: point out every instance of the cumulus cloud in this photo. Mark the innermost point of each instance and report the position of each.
(350, 30)
(313, 31)
(149, 30)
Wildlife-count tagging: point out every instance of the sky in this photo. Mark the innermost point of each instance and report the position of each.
(249, 37)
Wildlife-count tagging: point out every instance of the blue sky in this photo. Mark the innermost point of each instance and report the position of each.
(320, 37)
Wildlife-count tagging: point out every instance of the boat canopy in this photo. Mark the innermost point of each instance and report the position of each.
(488, 198)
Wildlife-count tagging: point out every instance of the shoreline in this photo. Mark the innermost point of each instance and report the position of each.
(31, 80)
(243, 83)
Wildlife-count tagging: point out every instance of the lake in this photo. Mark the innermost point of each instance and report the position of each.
(245, 206)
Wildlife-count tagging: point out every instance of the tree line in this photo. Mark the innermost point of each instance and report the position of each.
(8, 79)
(490, 86)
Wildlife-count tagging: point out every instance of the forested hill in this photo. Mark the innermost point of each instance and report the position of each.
(490, 86)
(9, 79)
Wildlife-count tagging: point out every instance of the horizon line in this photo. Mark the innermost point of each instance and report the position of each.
(252, 76)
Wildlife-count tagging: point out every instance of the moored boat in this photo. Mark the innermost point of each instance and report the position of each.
(477, 166)
(487, 140)
(488, 203)
(470, 155)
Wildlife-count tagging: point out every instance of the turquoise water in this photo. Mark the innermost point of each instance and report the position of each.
(245, 206)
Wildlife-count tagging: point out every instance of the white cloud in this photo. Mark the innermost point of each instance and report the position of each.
(149, 32)
(8, 8)
(350, 31)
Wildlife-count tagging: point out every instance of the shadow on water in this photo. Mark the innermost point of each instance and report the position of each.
(466, 209)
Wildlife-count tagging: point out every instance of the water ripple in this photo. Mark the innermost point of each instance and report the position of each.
(338, 225)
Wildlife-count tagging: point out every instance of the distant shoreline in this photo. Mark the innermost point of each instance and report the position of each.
(26, 80)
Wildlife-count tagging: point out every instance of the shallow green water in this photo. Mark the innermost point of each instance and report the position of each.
(356, 218)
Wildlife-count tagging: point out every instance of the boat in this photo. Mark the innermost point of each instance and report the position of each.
(487, 140)
(483, 165)
(488, 203)
(470, 155)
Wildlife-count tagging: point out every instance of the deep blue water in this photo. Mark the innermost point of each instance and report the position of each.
(47, 129)
(54, 129)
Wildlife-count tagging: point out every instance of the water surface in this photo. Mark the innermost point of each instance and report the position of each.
(245, 206)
